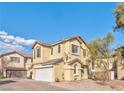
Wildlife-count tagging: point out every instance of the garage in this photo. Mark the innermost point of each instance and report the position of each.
(44, 74)
(12, 72)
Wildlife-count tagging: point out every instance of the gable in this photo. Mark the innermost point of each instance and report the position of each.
(37, 45)
(41, 44)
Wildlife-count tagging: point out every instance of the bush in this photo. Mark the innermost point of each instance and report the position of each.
(1, 75)
(30, 76)
(57, 80)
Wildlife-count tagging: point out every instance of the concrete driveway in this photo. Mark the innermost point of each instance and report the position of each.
(15, 84)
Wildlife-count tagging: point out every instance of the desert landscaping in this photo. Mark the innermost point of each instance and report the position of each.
(15, 84)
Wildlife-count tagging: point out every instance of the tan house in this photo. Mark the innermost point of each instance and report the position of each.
(119, 59)
(15, 64)
(64, 60)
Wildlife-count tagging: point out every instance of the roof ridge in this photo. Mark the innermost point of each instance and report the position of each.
(60, 41)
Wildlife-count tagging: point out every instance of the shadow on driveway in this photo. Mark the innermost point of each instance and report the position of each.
(6, 82)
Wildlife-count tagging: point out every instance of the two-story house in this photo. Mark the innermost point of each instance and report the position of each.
(64, 60)
(15, 64)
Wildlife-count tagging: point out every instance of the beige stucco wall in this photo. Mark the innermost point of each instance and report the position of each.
(119, 67)
(45, 54)
(69, 72)
(28, 67)
(14, 64)
(59, 71)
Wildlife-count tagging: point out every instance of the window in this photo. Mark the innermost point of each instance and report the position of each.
(51, 51)
(38, 52)
(84, 52)
(75, 68)
(59, 48)
(34, 54)
(14, 59)
(25, 59)
(74, 49)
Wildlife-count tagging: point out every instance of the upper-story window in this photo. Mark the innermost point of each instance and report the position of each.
(34, 54)
(51, 51)
(74, 48)
(84, 52)
(59, 48)
(14, 59)
(38, 52)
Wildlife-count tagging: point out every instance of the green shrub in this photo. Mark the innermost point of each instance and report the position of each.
(1, 75)
(30, 76)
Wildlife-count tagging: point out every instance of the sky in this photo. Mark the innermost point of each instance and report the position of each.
(23, 23)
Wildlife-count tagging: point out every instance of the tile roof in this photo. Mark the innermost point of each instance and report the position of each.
(24, 55)
(60, 41)
(27, 55)
(53, 61)
(15, 68)
(74, 60)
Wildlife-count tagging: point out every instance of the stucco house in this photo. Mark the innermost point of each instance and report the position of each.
(64, 60)
(15, 64)
(119, 59)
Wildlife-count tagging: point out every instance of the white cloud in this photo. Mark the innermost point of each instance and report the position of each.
(11, 43)
(3, 33)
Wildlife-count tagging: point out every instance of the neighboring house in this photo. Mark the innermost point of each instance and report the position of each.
(64, 60)
(119, 58)
(104, 66)
(14, 64)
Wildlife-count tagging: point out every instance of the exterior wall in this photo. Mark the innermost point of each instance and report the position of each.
(120, 72)
(55, 52)
(39, 59)
(78, 75)
(28, 67)
(45, 54)
(81, 48)
(28, 64)
(85, 73)
(14, 64)
(59, 71)
(119, 67)
(69, 72)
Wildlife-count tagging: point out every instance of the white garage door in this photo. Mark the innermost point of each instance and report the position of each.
(44, 74)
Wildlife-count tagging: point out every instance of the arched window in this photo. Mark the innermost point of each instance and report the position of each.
(75, 68)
